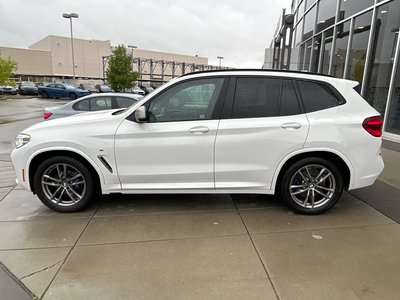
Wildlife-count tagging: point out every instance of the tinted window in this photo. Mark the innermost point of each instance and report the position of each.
(192, 100)
(123, 102)
(316, 96)
(289, 104)
(82, 105)
(256, 97)
(100, 103)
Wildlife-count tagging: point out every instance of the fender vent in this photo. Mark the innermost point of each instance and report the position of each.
(105, 163)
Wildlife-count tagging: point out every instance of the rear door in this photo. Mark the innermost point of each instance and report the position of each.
(262, 122)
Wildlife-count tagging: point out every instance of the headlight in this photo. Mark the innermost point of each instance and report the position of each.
(22, 139)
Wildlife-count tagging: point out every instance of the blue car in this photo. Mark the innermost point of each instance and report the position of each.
(61, 90)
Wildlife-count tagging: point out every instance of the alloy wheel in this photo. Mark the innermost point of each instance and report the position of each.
(312, 186)
(63, 184)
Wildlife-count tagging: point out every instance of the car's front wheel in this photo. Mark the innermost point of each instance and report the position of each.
(45, 95)
(63, 184)
(312, 185)
(72, 96)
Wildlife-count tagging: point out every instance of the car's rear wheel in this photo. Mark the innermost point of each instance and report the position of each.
(72, 96)
(44, 95)
(64, 184)
(312, 185)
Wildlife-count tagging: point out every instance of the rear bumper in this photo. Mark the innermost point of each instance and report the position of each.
(370, 172)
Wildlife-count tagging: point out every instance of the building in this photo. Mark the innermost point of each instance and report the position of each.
(50, 59)
(352, 39)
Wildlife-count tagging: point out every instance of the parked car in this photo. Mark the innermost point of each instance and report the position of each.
(147, 89)
(90, 103)
(61, 90)
(8, 89)
(27, 88)
(303, 137)
(135, 90)
(103, 88)
(90, 87)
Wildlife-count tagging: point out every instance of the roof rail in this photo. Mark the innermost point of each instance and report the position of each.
(258, 70)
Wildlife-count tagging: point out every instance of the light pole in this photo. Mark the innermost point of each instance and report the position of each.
(135, 47)
(132, 47)
(220, 59)
(70, 16)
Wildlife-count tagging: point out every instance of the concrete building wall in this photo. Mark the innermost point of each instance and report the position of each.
(88, 55)
(30, 62)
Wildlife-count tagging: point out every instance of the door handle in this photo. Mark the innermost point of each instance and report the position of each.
(199, 130)
(291, 126)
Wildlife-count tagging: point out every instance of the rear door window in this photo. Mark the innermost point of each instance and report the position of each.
(317, 96)
(256, 97)
(100, 103)
(123, 102)
(289, 103)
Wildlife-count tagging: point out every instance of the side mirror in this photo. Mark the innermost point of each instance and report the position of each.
(141, 114)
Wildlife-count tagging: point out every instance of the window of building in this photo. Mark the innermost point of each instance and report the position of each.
(299, 32)
(309, 23)
(256, 98)
(316, 96)
(309, 3)
(316, 52)
(359, 45)
(393, 115)
(300, 10)
(289, 105)
(383, 51)
(308, 49)
(339, 55)
(326, 55)
(350, 7)
(301, 57)
(191, 100)
(326, 14)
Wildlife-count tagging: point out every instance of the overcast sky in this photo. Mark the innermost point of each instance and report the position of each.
(238, 30)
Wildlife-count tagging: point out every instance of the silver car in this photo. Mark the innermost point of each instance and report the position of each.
(94, 102)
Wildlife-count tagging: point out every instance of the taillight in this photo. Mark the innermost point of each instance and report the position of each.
(373, 125)
(47, 115)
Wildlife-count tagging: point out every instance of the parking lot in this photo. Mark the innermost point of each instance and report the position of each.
(197, 246)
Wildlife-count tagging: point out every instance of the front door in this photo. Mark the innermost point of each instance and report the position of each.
(174, 149)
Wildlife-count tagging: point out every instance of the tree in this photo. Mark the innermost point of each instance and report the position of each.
(119, 72)
(7, 67)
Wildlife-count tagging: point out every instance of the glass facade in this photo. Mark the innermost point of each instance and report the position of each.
(357, 40)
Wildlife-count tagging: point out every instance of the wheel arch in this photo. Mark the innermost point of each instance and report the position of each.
(37, 158)
(338, 158)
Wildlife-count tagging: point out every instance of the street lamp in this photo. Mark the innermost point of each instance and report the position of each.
(134, 47)
(70, 16)
(220, 59)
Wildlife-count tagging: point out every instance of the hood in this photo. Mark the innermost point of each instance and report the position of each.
(76, 119)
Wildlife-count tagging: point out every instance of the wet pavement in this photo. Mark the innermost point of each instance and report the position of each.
(202, 246)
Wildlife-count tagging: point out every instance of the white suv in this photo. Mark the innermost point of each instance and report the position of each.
(304, 137)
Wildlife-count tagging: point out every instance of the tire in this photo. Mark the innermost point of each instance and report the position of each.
(312, 186)
(64, 184)
(72, 96)
(45, 95)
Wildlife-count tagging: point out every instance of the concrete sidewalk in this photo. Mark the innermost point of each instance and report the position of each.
(204, 246)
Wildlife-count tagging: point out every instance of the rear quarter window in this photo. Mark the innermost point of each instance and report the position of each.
(317, 96)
